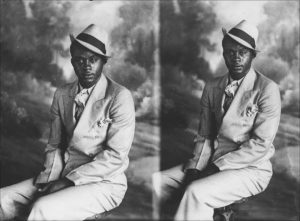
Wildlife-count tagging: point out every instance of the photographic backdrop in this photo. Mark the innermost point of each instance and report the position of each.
(164, 52)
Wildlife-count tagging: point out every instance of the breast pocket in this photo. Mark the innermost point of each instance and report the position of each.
(99, 132)
(249, 114)
(99, 129)
(248, 121)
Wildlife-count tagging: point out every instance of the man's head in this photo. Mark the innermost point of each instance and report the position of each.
(87, 65)
(239, 49)
(237, 57)
(88, 51)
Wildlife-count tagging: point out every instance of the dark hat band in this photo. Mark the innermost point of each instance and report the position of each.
(92, 41)
(243, 35)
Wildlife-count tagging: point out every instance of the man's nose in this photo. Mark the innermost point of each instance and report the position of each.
(236, 56)
(86, 63)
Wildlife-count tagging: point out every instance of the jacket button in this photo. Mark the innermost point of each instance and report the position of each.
(91, 155)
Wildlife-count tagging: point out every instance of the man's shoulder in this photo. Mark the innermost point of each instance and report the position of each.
(115, 88)
(216, 81)
(66, 88)
(263, 81)
(119, 94)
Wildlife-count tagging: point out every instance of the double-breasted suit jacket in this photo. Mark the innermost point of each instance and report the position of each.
(243, 136)
(96, 149)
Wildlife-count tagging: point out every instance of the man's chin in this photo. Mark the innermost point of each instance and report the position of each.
(237, 70)
(87, 84)
(236, 75)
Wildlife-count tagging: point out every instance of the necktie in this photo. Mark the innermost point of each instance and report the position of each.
(227, 102)
(78, 111)
(80, 101)
(229, 95)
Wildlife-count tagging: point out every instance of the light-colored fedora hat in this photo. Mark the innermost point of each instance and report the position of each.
(93, 39)
(244, 33)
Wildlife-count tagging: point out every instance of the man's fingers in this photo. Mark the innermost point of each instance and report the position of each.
(41, 189)
(44, 188)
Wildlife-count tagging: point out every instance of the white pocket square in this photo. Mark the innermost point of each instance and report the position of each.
(251, 110)
(102, 122)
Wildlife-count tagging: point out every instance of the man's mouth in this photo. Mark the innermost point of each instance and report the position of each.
(237, 67)
(88, 76)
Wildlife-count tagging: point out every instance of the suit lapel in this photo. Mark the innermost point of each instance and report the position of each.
(68, 101)
(94, 103)
(218, 95)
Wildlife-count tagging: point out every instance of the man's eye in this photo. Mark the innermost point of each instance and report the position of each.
(82, 61)
(231, 53)
(243, 52)
(79, 60)
(93, 60)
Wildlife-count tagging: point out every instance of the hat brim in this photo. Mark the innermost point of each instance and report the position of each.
(90, 47)
(239, 40)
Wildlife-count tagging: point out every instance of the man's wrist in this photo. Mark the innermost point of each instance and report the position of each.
(211, 169)
(192, 171)
(190, 176)
(68, 181)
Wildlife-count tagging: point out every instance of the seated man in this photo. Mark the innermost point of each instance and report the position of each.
(92, 128)
(239, 118)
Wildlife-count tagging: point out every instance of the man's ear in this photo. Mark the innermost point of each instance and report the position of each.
(223, 55)
(72, 38)
(72, 61)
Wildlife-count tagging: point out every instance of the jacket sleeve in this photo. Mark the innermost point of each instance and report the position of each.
(114, 158)
(202, 142)
(53, 163)
(259, 147)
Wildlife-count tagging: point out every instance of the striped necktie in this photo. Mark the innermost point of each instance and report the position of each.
(80, 101)
(229, 95)
(227, 102)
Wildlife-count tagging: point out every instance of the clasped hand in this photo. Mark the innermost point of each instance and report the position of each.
(54, 186)
(194, 174)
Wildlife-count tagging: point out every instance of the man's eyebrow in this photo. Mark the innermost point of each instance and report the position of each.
(239, 49)
(85, 57)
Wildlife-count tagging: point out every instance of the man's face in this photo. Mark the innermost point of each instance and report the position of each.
(237, 58)
(87, 66)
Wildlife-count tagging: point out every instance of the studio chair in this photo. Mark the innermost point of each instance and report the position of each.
(227, 213)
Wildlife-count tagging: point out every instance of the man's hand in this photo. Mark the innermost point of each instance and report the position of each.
(194, 174)
(209, 170)
(54, 186)
(190, 176)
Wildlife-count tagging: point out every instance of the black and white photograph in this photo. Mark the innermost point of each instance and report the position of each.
(149, 110)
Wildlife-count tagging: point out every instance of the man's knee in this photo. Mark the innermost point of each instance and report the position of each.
(8, 207)
(160, 185)
(6, 201)
(156, 183)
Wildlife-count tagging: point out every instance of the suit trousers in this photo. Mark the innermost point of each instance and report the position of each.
(203, 195)
(73, 203)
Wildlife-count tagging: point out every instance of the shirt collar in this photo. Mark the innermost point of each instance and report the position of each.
(89, 90)
(238, 81)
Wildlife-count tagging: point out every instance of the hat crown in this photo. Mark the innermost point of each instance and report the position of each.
(244, 33)
(248, 28)
(94, 39)
(95, 32)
